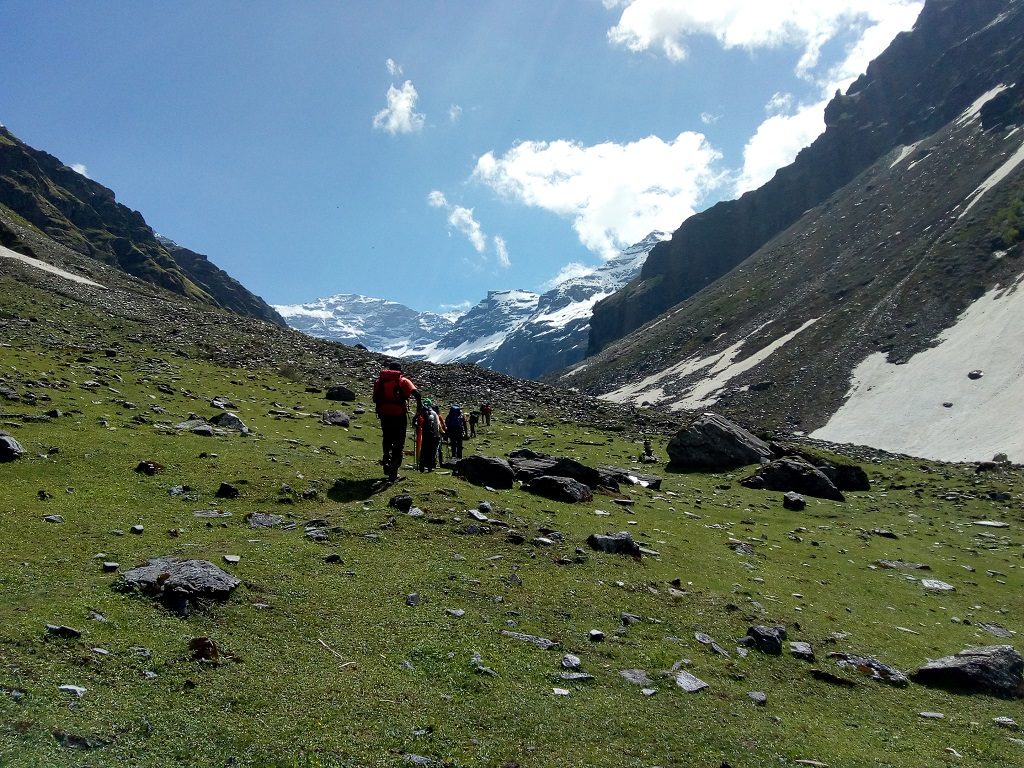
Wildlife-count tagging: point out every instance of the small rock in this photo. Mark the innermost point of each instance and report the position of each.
(54, 518)
(413, 599)
(794, 501)
(758, 697)
(690, 683)
(801, 650)
(1005, 722)
(935, 585)
(233, 559)
(596, 636)
(63, 632)
(636, 677)
(138, 530)
(570, 661)
(75, 690)
(932, 715)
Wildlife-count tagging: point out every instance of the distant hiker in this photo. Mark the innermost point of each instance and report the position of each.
(474, 417)
(391, 392)
(428, 427)
(455, 429)
(485, 411)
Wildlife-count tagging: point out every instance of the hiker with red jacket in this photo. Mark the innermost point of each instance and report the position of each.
(391, 392)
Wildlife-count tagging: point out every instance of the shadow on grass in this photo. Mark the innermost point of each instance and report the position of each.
(345, 490)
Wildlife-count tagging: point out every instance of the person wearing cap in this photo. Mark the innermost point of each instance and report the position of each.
(391, 393)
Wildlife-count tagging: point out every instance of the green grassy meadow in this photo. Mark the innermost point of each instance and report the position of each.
(324, 664)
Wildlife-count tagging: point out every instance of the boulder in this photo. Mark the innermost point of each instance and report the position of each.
(336, 419)
(340, 393)
(794, 501)
(767, 639)
(993, 669)
(10, 449)
(614, 543)
(178, 584)
(714, 444)
(629, 477)
(485, 471)
(229, 420)
(845, 477)
(559, 489)
(528, 468)
(793, 474)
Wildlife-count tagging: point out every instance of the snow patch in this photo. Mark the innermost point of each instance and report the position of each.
(47, 267)
(900, 408)
(905, 152)
(722, 368)
(973, 112)
(998, 175)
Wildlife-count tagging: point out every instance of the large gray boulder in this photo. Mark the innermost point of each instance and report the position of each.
(340, 393)
(714, 444)
(10, 449)
(559, 489)
(485, 471)
(178, 584)
(792, 474)
(993, 669)
(528, 466)
(621, 543)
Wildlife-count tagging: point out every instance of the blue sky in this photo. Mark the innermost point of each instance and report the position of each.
(423, 151)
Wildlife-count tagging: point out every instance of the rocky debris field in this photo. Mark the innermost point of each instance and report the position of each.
(202, 567)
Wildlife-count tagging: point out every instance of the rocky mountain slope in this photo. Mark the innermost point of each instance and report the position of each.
(889, 314)
(516, 332)
(957, 50)
(38, 190)
(59, 280)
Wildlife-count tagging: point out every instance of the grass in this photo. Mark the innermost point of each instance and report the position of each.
(326, 665)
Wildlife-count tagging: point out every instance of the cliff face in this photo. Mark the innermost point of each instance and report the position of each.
(924, 79)
(86, 217)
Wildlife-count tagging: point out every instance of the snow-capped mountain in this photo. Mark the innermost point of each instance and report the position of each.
(556, 334)
(377, 324)
(513, 331)
(478, 334)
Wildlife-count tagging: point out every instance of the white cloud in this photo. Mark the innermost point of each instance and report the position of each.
(454, 113)
(400, 115)
(777, 142)
(709, 118)
(79, 168)
(501, 249)
(462, 220)
(615, 194)
(664, 25)
(568, 272)
(394, 68)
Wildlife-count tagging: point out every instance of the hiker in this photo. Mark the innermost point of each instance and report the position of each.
(391, 393)
(474, 417)
(455, 428)
(428, 426)
(485, 411)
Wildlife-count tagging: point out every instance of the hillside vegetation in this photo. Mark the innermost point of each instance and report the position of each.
(317, 660)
